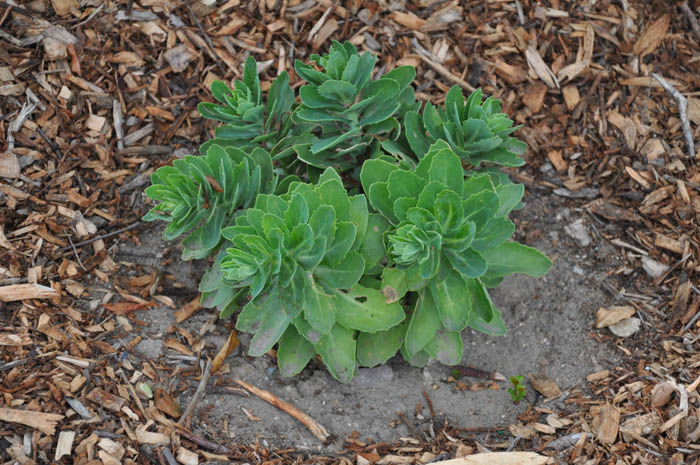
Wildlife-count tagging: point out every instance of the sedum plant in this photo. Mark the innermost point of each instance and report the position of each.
(248, 123)
(301, 257)
(448, 241)
(395, 256)
(199, 195)
(476, 131)
(349, 111)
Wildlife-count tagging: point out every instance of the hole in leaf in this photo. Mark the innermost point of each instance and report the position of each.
(361, 299)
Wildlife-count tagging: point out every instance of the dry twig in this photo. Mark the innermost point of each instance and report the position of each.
(694, 24)
(682, 109)
(317, 430)
(197, 395)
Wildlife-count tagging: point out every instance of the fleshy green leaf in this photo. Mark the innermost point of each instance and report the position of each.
(338, 351)
(366, 310)
(452, 301)
(446, 347)
(393, 284)
(424, 323)
(372, 248)
(376, 348)
(513, 257)
(294, 352)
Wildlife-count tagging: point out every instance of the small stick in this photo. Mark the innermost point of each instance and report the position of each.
(411, 427)
(430, 404)
(102, 236)
(317, 430)
(54, 146)
(168, 456)
(75, 251)
(447, 73)
(212, 446)
(133, 393)
(197, 395)
(206, 37)
(682, 109)
(478, 373)
(694, 24)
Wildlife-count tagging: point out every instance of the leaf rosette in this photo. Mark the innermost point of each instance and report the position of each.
(476, 131)
(248, 122)
(300, 256)
(199, 195)
(448, 241)
(349, 111)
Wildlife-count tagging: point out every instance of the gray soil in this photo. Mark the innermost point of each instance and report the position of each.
(548, 320)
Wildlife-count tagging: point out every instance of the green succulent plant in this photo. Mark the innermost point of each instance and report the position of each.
(199, 195)
(351, 271)
(248, 123)
(476, 131)
(300, 256)
(349, 111)
(449, 238)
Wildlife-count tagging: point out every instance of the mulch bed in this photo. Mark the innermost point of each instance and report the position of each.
(95, 95)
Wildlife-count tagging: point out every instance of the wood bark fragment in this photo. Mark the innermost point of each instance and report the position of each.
(316, 429)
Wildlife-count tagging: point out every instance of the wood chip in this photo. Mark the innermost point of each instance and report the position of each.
(9, 165)
(609, 424)
(490, 458)
(534, 95)
(64, 445)
(597, 376)
(408, 20)
(651, 37)
(544, 385)
(571, 96)
(44, 422)
(557, 160)
(662, 241)
(16, 292)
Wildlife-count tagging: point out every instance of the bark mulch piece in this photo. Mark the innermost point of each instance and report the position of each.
(94, 96)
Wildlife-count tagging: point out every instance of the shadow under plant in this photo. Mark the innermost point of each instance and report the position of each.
(548, 321)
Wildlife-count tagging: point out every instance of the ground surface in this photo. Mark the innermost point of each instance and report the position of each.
(548, 321)
(96, 94)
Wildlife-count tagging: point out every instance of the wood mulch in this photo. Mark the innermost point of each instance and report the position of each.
(95, 95)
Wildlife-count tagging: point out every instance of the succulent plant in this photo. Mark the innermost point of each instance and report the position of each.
(300, 257)
(248, 123)
(447, 234)
(348, 110)
(476, 131)
(199, 195)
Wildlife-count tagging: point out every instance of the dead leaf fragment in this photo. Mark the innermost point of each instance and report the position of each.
(661, 394)
(167, 403)
(540, 68)
(544, 385)
(178, 58)
(225, 351)
(641, 425)
(652, 36)
(625, 328)
(609, 316)
(520, 431)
